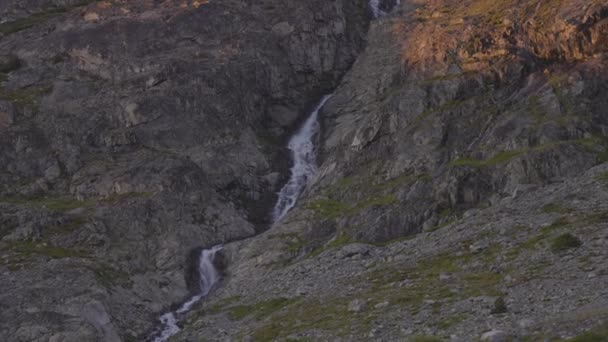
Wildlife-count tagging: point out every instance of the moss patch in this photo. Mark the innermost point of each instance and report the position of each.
(332, 209)
(451, 321)
(259, 310)
(110, 277)
(500, 158)
(26, 97)
(337, 242)
(565, 242)
(116, 198)
(425, 339)
(58, 203)
(29, 249)
(38, 18)
(599, 334)
(330, 315)
(65, 228)
(556, 208)
(602, 177)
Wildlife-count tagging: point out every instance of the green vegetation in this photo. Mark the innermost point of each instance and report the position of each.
(441, 108)
(110, 277)
(500, 158)
(25, 23)
(337, 242)
(425, 339)
(29, 248)
(442, 278)
(329, 315)
(62, 203)
(332, 209)
(599, 334)
(222, 304)
(500, 306)
(37, 18)
(544, 233)
(602, 177)
(116, 198)
(26, 97)
(565, 242)
(597, 145)
(259, 310)
(536, 110)
(451, 321)
(556, 208)
(64, 228)
(8, 64)
(367, 192)
(51, 203)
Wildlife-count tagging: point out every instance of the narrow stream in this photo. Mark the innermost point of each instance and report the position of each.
(208, 277)
(302, 146)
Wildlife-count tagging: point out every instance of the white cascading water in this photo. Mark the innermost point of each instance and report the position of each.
(374, 5)
(304, 163)
(208, 277)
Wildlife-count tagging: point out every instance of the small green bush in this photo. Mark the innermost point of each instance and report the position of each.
(499, 306)
(565, 242)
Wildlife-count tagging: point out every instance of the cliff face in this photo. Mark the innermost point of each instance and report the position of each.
(133, 132)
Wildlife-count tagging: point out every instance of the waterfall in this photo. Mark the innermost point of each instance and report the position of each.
(374, 5)
(303, 152)
(208, 277)
(377, 12)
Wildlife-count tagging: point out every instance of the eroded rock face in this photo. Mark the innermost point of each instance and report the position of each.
(453, 106)
(132, 133)
(460, 126)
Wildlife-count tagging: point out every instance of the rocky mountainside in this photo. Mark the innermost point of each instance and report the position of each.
(461, 192)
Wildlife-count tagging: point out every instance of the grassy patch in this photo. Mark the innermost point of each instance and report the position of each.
(259, 310)
(500, 306)
(602, 177)
(37, 18)
(26, 97)
(536, 110)
(219, 306)
(599, 334)
(337, 242)
(29, 248)
(565, 242)
(556, 208)
(449, 105)
(329, 315)
(110, 277)
(332, 209)
(8, 63)
(500, 158)
(425, 338)
(451, 321)
(116, 198)
(65, 228)
(25, 23)
(52, 203)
